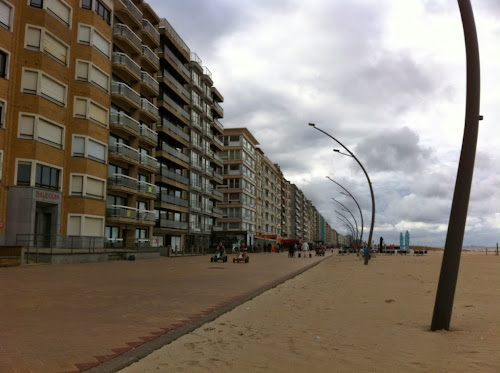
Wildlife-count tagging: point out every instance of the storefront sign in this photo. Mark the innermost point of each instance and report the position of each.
(46, 196)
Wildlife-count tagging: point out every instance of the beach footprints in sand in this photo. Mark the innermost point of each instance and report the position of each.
(209, 329)
(389, 301)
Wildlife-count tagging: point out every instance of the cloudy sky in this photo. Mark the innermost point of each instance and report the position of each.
(386, 78)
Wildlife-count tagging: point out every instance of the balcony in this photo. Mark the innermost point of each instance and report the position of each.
(175, 84)
(218, 176)
(122, 183)
(124, 152)
(172, 224)
(196, 62)
(208, 171)
(195, 207)
(174, 152)
(146, 188)
(163, 196)
(127, 11)
(126, 39)
(148, 135)
(148, 162)
(125, 96)
(150, 61)
(149, 112)
(126, 67)
(218, 193)
(171, 128)
(218, 126)
(217, 211)
(177, 62)
(146, 216)
(149, 86)
(123, 214)
(165, 172)
(176, 107)
(218, 109)
(196, 187)
(150, 34)
(122, 123)
(217, 158)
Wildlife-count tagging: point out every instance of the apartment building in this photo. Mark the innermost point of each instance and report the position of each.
(285, 228)
(55, 82)
(109, 127)
(131, 190)
(189, 129)
(239, 187)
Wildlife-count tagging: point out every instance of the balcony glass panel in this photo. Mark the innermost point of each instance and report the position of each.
(117, 211)
(124, 150)
(148, 27)
(148, 53)
(176, 107)
(147, 105)
(165, 172)
(149, 80)
(119, 118)
(122, 181)
(148, 160)
(132, 8)
(146, 187)
(123, 59)
(124, 89)
(124, 30)
(165, 197)
(172, 151)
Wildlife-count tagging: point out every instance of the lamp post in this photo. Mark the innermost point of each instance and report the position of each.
(345, 220)
(458, 216)
(357, 204)
(349, 211)
(369, 183)
(348, 225)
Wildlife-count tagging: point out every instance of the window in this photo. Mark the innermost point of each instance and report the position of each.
(47, 177)
(4, 64)
(85, 225)
(112, 232)
(87, 4)
(102, 11)
(24, 173)
(38, 128)
(87, 186)
(3, 113)
(36, 3)
(38, 83)
(1, 162)
(6, 15)
(90, 36)
(38, 38)
(85, 108)
(87, 147)
(88, 72)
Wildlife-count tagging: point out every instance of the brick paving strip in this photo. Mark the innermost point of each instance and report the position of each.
(101, 317)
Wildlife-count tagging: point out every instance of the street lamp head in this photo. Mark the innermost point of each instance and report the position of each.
(336, 150)
(312, 124)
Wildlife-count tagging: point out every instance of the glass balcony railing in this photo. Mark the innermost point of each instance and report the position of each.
(165, 172)
(176, 83)
(150, 55)
(122, 181)
(145, 187)
(171, 31)
(146, 215)
(147, 160)
(132, 9)
(149, 28)
(117, 211)
(123, 89)
(149, 107)
(165, 223)
(207, 72)
(122, 119)
(172, 127)
(119, 29)
(124, 60)
(163, 196)
(125, 150)
(150, 81)
(176, 107)
(149, 133)
(174, 58)
(174, 152)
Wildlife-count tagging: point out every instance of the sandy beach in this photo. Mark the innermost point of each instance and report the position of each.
(342, 316)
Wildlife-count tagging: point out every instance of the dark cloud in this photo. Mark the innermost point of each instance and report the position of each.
(393, 151)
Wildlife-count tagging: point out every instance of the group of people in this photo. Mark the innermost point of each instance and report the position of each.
(294, 247)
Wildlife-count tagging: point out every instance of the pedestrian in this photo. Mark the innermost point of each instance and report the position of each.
(305, 249)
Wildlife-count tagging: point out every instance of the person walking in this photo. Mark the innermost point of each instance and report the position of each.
(305, 249)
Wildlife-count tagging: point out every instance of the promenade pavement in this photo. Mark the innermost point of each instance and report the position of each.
(78, 317)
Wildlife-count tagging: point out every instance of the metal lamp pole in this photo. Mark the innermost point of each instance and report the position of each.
(367, 257)
(458, 216)
(349, 211)
(357, 204)
(345, 220)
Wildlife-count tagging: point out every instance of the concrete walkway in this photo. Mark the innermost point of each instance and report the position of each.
(98, 316)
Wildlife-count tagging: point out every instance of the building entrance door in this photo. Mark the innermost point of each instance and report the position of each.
(44, 232)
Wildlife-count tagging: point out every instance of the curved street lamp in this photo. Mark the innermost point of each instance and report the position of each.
(357, 204)
(348, 225)
(369, 183)
(349, 211)
(345, 220)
